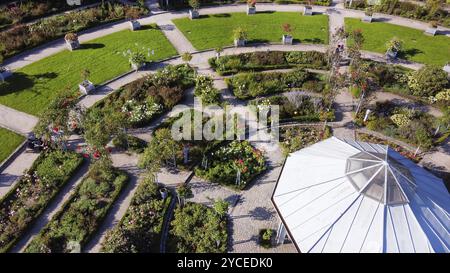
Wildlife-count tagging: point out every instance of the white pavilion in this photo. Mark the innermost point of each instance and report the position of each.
(348, 196)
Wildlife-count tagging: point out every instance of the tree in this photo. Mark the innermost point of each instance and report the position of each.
(240, 34)
(54, 120)
(221, 207)
(427, 81)
(161, 149)
(186, 57)
(183, 191)
(100, 125)
(194, 4)
(394, 45)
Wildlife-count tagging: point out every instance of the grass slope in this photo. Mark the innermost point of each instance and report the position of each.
(210, 31)
(10, 141)
(418, 47)
(32, 87)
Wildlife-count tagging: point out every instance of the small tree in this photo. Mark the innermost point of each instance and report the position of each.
(186, 57)
(394, 45)
(434, 24)
(251, 3)
(221, 207)
(71, 37)
(194, 4)
(137, 58)
(218, 51)
(161, 149)
(240, 34)
(183, 191)
(368, 11)
(287, 28)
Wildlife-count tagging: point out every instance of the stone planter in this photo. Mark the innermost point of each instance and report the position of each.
(136, 66)
(134, 25)
(431, 31)
(193, 14)
(239, 42)
(391, 54)
(5, 73)
(72, 45)
(287, 39)
(447, 68)
(86, 87)
(307, 10)
(251, 10)
(367, 18)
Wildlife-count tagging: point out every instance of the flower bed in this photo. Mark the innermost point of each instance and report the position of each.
(405, 9)
(147, 98)
(33, 192)
(427, 85)
(409, 125)
(267, 60)
(294, 138)
(297, 106)
(224, 164)
(139, 230)
(197, 228)
(252, 85)
(23, 37)
(83, 213)
(31, 10)
(373, 139)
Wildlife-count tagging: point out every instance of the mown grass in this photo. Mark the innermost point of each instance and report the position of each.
(211, 31)
(31, 88)
(418, 47)
(9, 143)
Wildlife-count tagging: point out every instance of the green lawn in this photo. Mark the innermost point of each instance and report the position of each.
(10, 141)
(418, 47)
(31, 88)
(210, 31)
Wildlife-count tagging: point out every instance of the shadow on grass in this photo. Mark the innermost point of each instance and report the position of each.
(19, 82)
(411, 52)
(265, 12)
(92, 46)
(222, 15)
(259, 41)
(311, 41)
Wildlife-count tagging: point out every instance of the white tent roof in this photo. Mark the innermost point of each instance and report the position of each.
(347, 196)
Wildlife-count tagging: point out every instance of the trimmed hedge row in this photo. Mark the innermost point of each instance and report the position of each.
(268, 60)
(23, 37)
(252, 85)
(83, 213)
(25, 202)
(139, 230)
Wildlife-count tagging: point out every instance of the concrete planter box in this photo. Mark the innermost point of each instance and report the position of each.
(239, 42)
(5, 73)
(134, 25)
(287, 39)
(446, 68)
(72, 45)
(367, 18)
(307, 10)
(86, 87)
(431, 31)
(193, 14)
(391, 54)
(251, 10)
(136, 66)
